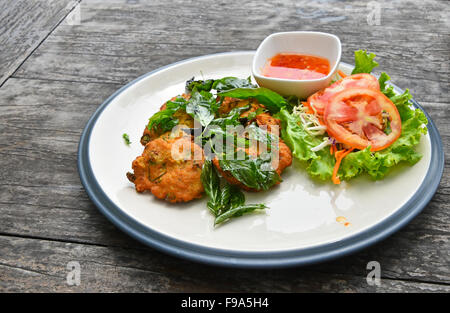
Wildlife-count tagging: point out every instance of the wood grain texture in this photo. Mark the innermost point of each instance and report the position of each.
(24, 25)
(43, 122)
(118, 42)
(48, 219)
(43, 267)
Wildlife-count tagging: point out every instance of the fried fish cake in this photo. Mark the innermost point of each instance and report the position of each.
(284, 160)
(181, 115)
(170, 169)
(229, 104)
(273, 124)
(261, 119)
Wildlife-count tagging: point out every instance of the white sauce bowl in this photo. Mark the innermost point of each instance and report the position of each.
(311, 43)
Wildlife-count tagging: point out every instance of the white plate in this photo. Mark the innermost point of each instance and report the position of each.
(303, 212)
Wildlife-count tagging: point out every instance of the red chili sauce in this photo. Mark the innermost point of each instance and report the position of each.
(296, 66)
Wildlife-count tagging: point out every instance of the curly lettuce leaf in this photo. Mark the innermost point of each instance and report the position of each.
(364, 62)
(320, 163)
(377, 164)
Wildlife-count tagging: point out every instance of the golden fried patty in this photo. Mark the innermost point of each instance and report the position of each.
(284, 160)
(272, 124)
(185, 119)
(264, 120)
(229, 104)
(170, 169)
(181, 115)
(261, 119)
(179, 181)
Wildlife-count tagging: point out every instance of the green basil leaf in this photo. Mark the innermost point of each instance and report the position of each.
(261, 135)
(126, 138)
(163, 120)
(231, 197)
(238, 211)
(231, 119)
(224, 202)
(252, 115)
(202, 107)
(228, 83)
(270, 99)
(199, 85)
(211, 184)
(252, 172)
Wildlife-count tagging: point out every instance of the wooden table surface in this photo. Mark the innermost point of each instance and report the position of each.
(59, 60)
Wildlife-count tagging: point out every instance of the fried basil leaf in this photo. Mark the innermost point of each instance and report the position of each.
(163, 120)
(223, 84)
(126, 139)
(211, 184)
(227, 201)
(261, 135)
(231, 196)
(231, 119)
(199, 85)
(270, 99)
(254, 173)
(238, 211)
(202, 107)
(228, 83)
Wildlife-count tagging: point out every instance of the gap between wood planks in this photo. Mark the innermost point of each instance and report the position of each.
(38, 44)
(311, 271)
(435, 103)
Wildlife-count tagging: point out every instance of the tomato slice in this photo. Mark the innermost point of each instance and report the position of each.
(320, 99)
(355, 117)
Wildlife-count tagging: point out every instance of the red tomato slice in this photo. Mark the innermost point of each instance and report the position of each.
(355, 117)
(320, 99)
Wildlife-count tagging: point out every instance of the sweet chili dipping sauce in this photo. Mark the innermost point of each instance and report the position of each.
(296, 66)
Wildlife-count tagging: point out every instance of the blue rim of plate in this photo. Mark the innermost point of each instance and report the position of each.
(256, 259)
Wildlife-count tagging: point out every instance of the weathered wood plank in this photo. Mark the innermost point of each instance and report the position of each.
(42, 124)
(78, 67)
(24, 25)
(118, 41)
(45, 143)
(42, 267)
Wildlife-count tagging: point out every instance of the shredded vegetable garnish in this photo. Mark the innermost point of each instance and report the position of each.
(326, 142)
(342, 74)
(332, 149)
(126, 139)
(339, 155)
(309, 120)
